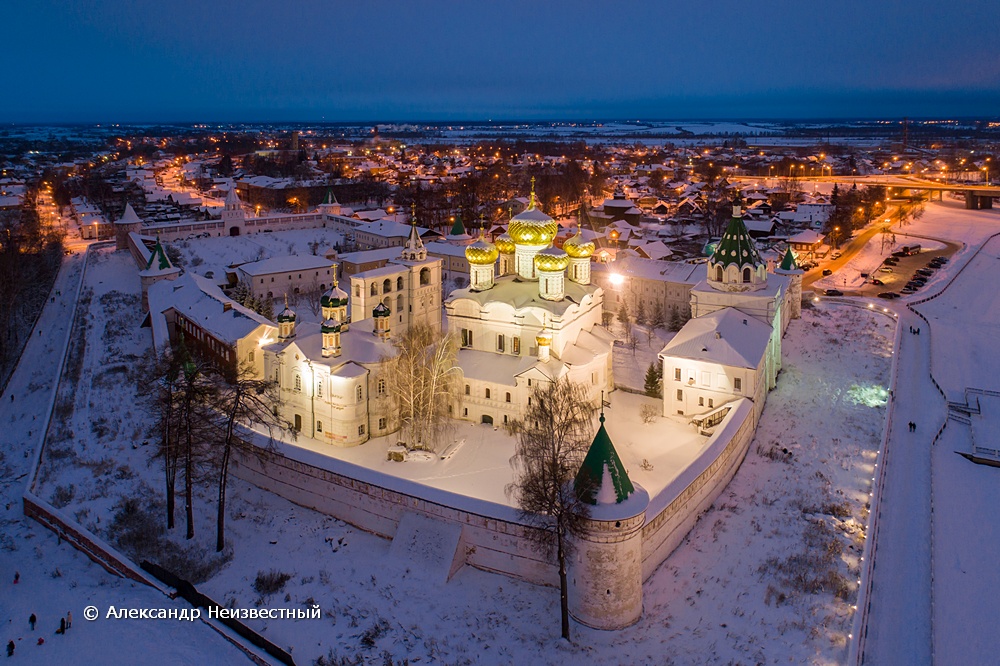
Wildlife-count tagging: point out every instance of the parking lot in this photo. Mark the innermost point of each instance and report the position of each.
(897, 276)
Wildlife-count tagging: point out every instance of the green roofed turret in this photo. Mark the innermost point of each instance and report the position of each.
(602, 478)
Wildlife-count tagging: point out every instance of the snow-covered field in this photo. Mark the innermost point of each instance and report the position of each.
(767, 575)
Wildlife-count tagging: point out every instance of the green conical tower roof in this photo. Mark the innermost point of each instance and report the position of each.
(736, 246)
(330, 198)
(158, 257)
(458, 229)
(602, 478)
(788, 262)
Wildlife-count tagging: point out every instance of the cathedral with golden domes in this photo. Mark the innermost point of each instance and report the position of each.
(529, 314)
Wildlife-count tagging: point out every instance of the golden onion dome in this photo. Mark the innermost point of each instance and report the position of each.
(532, 227)
(543, 338)
(551, 259)
(578, 248)
(482, 252)
(505, 244)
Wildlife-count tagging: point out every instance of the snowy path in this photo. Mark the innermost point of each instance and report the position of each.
(899, 621)
(55, 578)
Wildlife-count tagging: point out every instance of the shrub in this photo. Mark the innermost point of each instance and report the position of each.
(270, 582)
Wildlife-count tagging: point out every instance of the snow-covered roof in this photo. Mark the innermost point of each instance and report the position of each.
(808, 237)
(129, 216)
(521, 295)
(358, 346)
(202, 301)
(728, 337)
(284, 264)
(653, 269)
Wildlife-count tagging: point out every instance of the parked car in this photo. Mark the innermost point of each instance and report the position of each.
(890, 261)
(899, 253)
(834, 292)
(925, 271)
(836, 255)
(943, 260)
(827, 271)
(877, 281)
(907, 291)
(885, 269)
(888, 295)
(913, 285)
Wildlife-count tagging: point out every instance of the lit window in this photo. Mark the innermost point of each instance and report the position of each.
(298, 383)
(515, 345)
(680, 394)
(381, 424)
(738, 385)
(677, 374)
(380, 386)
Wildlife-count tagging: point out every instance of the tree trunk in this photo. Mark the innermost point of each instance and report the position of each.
(220, 538)
(188, 503)
(563, 582)
(170, 474)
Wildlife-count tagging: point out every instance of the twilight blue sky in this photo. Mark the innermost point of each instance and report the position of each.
(313, 60)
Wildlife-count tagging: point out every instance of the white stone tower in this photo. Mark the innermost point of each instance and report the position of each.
(330, 330)
(482, 258)
(790, 267)
(605, 572)
(232, 214)
(128, 223)
(544, 342)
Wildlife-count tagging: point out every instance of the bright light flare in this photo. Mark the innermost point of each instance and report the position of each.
(617, 280)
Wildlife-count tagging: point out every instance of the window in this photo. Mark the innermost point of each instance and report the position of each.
(718, 273)
(468, 390)
(298, 382)
(738, 385)
(399, 284)
(711, 403)
(505, 419)
(677, 374)
(465, 412)
(680, 394)
(386, 286)
(374, 289)
(319, 389)
(515, 345)
(361, 429)
(357, 290)
(298, 422)
(250, 356)
(500, 342)
(507, 397)
(487, 394)
(381, 423)
(275, 375)
(380, 386)
(593, 378)
(466, 337)
(425, 276)
(701, 401)
(746, 274)
(399, 305)
(529, 382)
(359, 393)
(706, 378)
(319, 426)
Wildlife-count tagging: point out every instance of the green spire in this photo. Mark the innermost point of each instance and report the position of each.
(458, 229)
(600, 458)
(159, 257)
(788, 262)
(736, 246)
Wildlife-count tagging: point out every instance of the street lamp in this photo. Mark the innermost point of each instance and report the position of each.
(836, 238)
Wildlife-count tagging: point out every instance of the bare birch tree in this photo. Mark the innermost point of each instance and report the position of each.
(422, 380)
(552, 441)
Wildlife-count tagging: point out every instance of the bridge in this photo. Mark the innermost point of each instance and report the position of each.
(976, 196)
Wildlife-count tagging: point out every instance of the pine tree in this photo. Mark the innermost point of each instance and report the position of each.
(675, 319)
(623, 316)
(657, 319)
(654, 379)
(640, 312)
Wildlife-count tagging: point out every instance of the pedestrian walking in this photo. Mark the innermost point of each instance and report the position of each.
(10, 648)
(17, 577)
(69, 619)
(32, 620)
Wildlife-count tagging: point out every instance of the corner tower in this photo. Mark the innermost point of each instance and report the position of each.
(790, 267)
(605, 590)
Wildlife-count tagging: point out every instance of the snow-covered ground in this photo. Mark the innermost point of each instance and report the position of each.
(935, 580)
(767, 574)
(202, 254)
(55, 578)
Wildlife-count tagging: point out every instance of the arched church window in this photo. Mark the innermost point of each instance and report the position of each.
(718, 273)
(746, 274)
(374, 290)
(399, 284)
(425, 276)
(386, 286)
